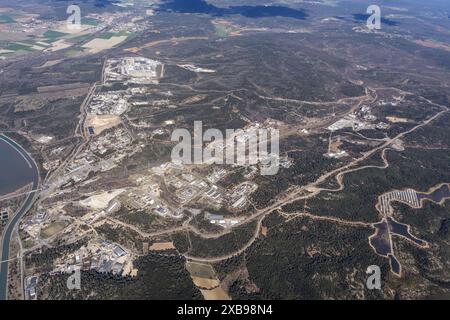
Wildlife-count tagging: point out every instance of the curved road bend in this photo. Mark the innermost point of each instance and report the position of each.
(27, 204)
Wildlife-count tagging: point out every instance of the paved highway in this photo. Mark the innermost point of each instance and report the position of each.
(8, 231)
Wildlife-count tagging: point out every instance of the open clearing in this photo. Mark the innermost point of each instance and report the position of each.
(334, 146)
(200, 270)
(204, 277)
(101, 201)
(397, 120)
(432, 44)
(53, 229)
(160, 246)
(174, 41)
(2, 51)
(59, 45)
(215, 294)
(50, 63)
(101, 123)
(194, 99)
(96, 45)
(204, 283)
(63, 28)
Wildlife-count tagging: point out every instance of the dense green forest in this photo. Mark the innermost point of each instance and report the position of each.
(306, 259)
(413, 168)
(159, 277)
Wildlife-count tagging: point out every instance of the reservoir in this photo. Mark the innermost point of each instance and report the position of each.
(437, 195)
(257, 11)
(381, 241)
(395, 265)
(15, 170)
(401, 229)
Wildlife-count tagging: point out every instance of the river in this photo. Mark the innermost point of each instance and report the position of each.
(21, 170)
(15, 171)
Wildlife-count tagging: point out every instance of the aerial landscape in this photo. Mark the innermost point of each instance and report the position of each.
(225, 150)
